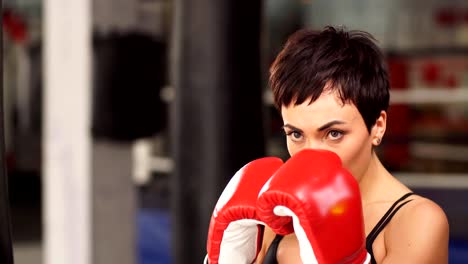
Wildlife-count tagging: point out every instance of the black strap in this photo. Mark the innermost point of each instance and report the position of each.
(383, 222)
(270, 256)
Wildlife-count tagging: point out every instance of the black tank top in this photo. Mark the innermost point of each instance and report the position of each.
(270, 257)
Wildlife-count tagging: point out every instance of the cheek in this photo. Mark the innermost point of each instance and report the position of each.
(292, 148)
(356, 156)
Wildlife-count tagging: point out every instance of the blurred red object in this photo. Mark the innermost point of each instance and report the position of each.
(396, 153)
(447, 17)
(14, 26)
(451, 82)
(398, 73)
(431, 74)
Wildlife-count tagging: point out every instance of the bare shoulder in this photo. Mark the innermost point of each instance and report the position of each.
(419, 233)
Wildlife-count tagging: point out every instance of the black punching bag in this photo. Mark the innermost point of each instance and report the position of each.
(6, 248)
(217, 114)
(129, 72)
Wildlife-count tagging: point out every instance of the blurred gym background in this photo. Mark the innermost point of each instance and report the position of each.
(124, 119)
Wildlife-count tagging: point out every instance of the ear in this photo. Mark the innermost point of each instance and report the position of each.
(378, 130)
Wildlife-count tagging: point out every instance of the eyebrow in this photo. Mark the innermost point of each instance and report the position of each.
(329, 124)
(325, 126)
(292, 128)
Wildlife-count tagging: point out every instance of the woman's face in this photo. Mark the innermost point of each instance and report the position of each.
(329, 124)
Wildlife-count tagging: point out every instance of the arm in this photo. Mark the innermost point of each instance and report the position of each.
(268, 236)
(420, 235)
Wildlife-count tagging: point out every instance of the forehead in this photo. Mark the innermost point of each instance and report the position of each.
(326, 108)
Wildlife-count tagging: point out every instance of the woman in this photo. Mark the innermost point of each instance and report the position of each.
(332, 90)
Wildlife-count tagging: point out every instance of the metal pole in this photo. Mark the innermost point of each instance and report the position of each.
(6, 248)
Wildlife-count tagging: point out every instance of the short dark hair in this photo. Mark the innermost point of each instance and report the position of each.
(348, 60)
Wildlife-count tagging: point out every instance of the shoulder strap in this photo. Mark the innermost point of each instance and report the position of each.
(383, 222)
(270, 256)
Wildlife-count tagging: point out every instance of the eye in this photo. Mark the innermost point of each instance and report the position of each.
(335, 134)
(294, 135)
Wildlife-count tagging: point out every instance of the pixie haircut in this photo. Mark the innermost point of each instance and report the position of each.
(348, 62)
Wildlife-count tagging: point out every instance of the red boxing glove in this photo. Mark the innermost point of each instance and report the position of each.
(235, 234)
(313, 194)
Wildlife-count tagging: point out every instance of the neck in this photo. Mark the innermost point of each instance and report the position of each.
(369, 182)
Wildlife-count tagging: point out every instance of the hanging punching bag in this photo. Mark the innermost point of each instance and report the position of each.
(6, 249)
(129, 72)
(217, 122)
